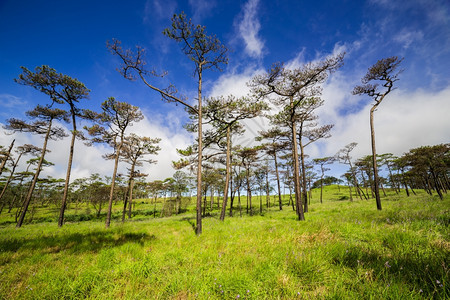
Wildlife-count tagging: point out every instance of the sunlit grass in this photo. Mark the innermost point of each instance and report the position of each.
(344, 250)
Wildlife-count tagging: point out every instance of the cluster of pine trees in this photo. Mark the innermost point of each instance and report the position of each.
(225, 169)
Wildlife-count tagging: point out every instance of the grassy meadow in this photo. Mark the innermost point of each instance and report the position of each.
(344, 250)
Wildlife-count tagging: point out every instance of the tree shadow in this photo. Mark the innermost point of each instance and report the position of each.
(74, 242)
(191, 222)
(419, 272)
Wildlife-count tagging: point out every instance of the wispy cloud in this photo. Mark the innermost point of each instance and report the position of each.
(159, 9)
(201, 9)
(11, 101)
(249, 27)
(406, 38)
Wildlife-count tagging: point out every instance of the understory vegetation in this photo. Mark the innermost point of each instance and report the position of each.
(344, 250)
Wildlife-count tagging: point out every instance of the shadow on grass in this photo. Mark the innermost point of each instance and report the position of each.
(74, 242)
(191, 221)
(420, 272)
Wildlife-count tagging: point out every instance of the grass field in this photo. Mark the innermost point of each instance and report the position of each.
(344, 250)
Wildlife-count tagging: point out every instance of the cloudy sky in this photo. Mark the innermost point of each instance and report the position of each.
(71, 37)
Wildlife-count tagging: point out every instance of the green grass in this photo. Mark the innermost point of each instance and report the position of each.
(344, 250)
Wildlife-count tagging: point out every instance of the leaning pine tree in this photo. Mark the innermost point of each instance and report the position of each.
(112, 122)
(61, 89)
(384, 71)
(44, 117)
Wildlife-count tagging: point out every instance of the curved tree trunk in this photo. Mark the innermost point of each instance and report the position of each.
(69, 169)
(374, 160)
(2, 166)
(10, 177)
(35, 178)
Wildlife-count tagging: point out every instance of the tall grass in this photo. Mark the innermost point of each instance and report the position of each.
(344, 250)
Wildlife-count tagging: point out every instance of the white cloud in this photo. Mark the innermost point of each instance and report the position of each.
(162, 10)
(234, 83)
(10, 101)
(201, 8)
(249, 27)
(404, 120)
(9, 105)
(406, 38)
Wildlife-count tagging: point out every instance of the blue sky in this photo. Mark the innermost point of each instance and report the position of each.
(71, 36)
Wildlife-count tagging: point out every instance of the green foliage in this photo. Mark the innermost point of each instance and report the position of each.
(344, 250)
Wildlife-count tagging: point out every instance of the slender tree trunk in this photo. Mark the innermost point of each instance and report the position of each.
(249, 193)
(394, 185)
(113, 181)
(436, 183)
(321, 184)
(211, 200)
(260, 201)
(267, 189)
(357, 187)
(198, 229)
(278, 182)
(374, 159)
(218, 198)
(296, 171)
(69, 169)
(2, 166)
(130, 199)
(227, 175)
(239, 201)
(204, 202)
(35, 178)
(128, 194)
(382, 188)
(304, 189)
(10, 176)
(350, 189)
(233, 192)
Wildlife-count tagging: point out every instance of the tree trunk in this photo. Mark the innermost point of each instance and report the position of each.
(249, 193)
(2, 166)
(321, 183)
(113, 181)
(260, 202)
(296, 171)
(436, 183)
(233, 192)
(350, 189)
(198, 228)
(267, 189)
(239, 202)
(374, 160)
(130, 199)
(10, 177)
(278, 182)
(304, 189)
(204, 202)
(35, 178)
(211, 200)
(69, 169)
(128, 194)
(227, 176)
